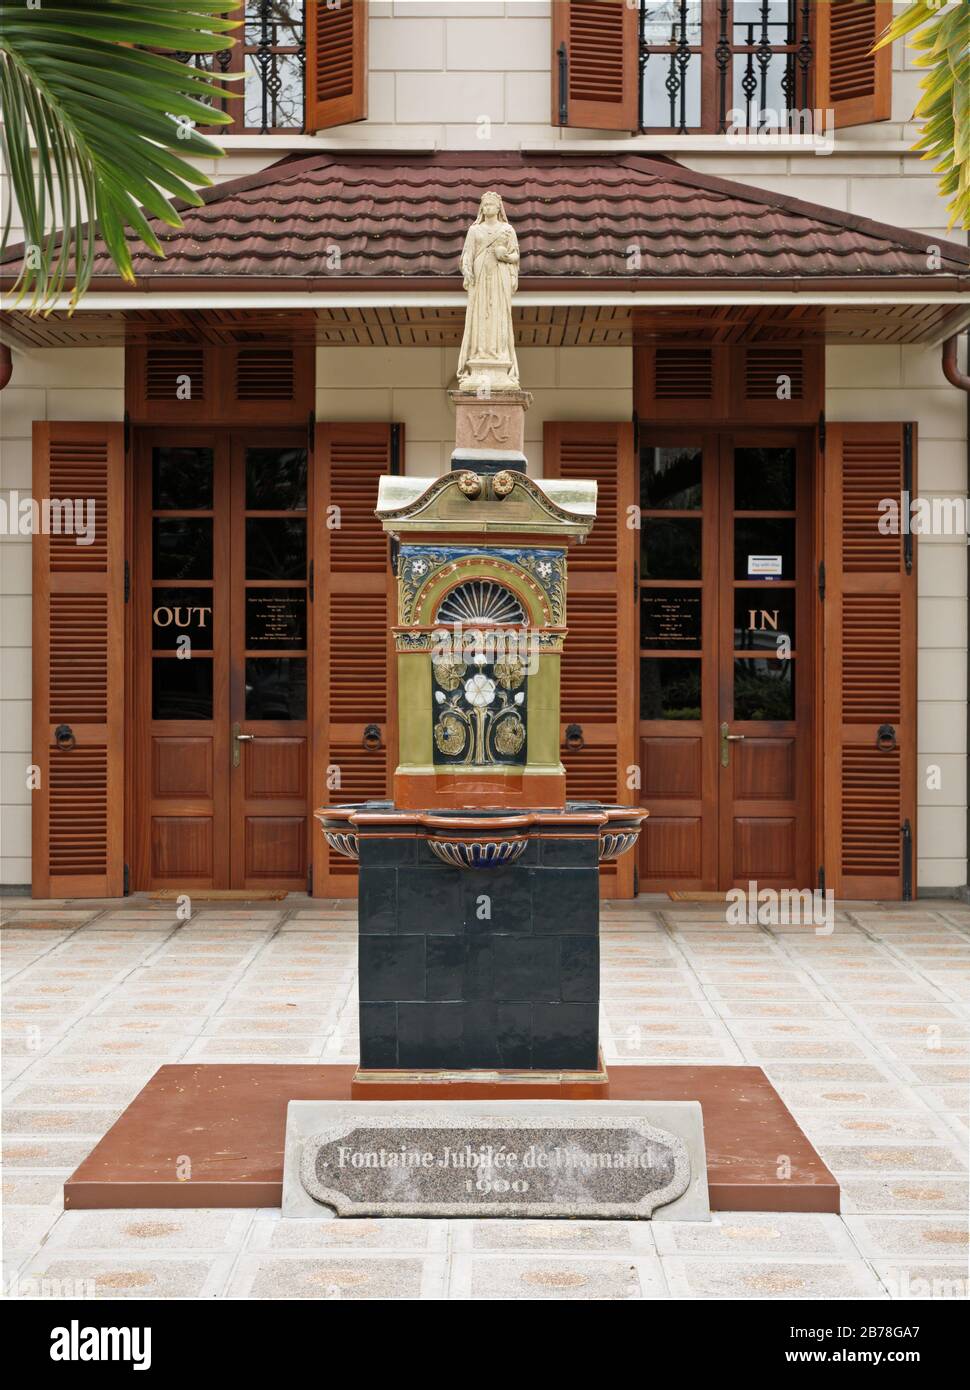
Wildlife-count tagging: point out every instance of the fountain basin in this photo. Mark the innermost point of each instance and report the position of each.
(481, 838)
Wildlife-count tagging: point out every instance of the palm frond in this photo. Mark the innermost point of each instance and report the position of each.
(940, 36)
(98, 128)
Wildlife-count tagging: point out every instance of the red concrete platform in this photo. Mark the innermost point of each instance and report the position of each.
(212, 1136)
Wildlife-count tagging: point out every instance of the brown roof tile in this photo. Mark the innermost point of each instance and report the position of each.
(394, 215)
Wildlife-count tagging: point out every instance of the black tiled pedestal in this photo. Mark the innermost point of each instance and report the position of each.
(479, 968)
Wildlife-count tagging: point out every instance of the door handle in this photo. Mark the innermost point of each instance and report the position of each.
(237, 739)
(727, 738)
(372, 740)
(573, 738)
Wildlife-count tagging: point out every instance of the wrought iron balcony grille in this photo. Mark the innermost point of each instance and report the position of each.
(271, 51)
(702, 62)
(711, 65)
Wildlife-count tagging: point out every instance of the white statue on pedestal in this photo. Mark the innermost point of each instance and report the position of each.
(490, 272)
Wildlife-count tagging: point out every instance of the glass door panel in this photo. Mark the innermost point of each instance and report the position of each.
(270, 659)
(724, 706)
(180, 606)
(221, 589)
(678, 668)
(763, 731)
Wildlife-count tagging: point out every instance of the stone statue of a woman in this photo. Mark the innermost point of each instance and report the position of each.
(490, 271)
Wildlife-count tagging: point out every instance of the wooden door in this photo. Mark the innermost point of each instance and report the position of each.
(764, 661)
(725, 680)
(219, 629)
(678, 683)
(269, 677)
(178, 622)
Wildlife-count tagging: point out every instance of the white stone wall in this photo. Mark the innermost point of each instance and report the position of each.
(476, 74)
(470, 75)
(409, 385)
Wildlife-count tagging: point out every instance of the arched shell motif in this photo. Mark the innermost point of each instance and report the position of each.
(480, 601)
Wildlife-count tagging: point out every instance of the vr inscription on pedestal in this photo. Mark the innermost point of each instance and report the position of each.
(509, 1159)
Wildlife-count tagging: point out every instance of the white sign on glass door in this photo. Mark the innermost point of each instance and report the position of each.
(764, 566)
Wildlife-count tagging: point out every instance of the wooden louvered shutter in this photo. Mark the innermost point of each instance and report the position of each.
(869, 655)
(171, 385)
(262, 375)
(598, 667)
(595, 70)
(777, 383)
(336, 63)
(679, 380)
(851, 80)
(79, 667)
(219, 385)
(353, 609)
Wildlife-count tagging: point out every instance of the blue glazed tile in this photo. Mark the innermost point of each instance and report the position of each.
(579, 965)
(459, 968)
(378, 1035)
(565, 1035)
(565, 901)
(429, 899)
(387, 849)
(430, 1035)
(391, 968)
(513, 1033)
(465, 968)
(377, 900)
(525, 968)
(497, 901)
(497, 1035)
(564, 852)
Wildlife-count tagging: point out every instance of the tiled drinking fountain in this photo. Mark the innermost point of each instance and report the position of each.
(479, 883)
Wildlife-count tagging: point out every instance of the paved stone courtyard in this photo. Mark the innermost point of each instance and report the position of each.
(864, 1033)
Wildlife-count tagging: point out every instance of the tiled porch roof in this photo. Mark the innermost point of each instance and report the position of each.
(400, 216)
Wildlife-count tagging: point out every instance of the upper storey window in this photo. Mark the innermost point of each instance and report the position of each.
(304, 66)
(762, 63)
(692, 67)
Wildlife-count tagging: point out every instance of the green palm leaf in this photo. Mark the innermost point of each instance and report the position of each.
(940, 35)
(98, 129)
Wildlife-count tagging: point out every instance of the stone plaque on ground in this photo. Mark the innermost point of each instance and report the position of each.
(629, 1160)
